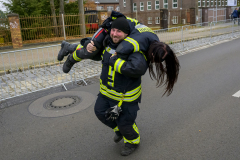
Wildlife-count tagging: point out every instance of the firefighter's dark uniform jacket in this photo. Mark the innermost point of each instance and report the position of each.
(138, 41)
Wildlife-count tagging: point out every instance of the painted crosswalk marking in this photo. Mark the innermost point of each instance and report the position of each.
(237, 94)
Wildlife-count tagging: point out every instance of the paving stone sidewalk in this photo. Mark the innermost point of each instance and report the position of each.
(20, 83)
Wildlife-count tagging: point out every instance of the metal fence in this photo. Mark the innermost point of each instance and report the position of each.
(5, 34)
(30, 70)
(201, 33)
(46, 28)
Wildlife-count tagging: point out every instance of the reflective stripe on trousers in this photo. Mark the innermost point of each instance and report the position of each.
(134, 141)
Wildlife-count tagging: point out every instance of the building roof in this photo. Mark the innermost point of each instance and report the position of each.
(107, 1)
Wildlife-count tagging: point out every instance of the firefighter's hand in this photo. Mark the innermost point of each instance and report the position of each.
(113, 113)
(114, 54)
(90, 47)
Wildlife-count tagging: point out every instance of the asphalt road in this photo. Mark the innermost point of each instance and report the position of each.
(198, 121)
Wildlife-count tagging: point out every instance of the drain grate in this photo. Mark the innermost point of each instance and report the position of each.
(62, 102)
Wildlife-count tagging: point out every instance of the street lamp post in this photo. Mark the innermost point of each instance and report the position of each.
(216, 9)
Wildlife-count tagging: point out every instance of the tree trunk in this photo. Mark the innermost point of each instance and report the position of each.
(54, 16)
(61, 11)
(81, 18)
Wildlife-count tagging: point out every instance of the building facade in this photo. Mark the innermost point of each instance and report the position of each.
(179, 11)
(214, 10)
(148, 12)
(108, 5)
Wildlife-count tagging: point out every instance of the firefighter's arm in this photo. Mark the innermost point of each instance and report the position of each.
(81, 52)
(91, 48)
(135, 66)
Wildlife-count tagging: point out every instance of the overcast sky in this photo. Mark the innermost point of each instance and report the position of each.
(2, 7)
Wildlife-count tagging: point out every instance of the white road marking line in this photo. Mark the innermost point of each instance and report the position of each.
(237, 94)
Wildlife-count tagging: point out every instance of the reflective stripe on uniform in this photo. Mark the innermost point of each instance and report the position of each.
(75, 54)
(135, 128)
(128, 97)
(110, 50)
(145, 29)
(134, 141)
(140, 26)
(116, 129)
(143, 55)
(118, 64)
(133, 20)
(129, 93)
(111, 73)
(102, 54)
(131, 99)
(134, 43)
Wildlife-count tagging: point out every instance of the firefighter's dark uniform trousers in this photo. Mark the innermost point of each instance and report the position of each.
(125, 124)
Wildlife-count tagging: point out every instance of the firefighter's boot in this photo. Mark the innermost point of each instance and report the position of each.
(66, 48)
(129, 149)
(118, 137)
(68, 64)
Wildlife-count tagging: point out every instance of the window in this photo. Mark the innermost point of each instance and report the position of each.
(203, 3)
(175, 20)
(165, 4)
(117, 8)
(207, 3)
(219, 2)
(149, 20)
(141, 6)
(134, 7)
(211, 3)
(157, 5)
(223, 3)
(175, 4)
(124, 3)
(157, 20)
(199, 3)
(149, 5)
(215, 3)
(109, 8)
(226, 2)
(99, 7)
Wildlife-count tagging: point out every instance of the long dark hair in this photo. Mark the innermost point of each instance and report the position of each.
(160, 52)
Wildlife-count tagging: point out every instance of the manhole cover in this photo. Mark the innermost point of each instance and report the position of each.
(62, 102)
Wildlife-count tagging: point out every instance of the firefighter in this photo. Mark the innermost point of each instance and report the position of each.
(120, 80)
(120, 89)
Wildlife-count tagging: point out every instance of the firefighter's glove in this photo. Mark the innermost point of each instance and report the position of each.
(113, 113)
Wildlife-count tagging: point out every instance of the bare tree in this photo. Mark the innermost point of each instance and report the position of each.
(81, 18)
(61, 11)
(54, 16)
